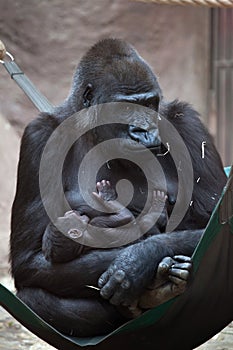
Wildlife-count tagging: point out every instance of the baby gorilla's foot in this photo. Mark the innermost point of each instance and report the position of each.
(105, 190)
(172, 279)
(155, 220)
(116, 214)
(158, 200)
(106, 196)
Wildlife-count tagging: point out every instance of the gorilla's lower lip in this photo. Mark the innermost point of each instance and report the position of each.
(142, 148)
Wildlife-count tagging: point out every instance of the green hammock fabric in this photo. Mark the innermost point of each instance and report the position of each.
(183, 322)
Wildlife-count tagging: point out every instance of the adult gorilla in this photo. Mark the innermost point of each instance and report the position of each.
(111, 71)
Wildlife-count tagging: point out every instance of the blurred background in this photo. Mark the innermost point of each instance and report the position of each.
(189, 48)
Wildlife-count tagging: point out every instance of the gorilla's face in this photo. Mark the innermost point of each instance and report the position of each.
(135, 126)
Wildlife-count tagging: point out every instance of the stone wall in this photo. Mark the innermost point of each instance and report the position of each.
(9, 149)
(49, 37)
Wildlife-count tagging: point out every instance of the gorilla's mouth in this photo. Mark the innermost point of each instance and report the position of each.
(132, 146)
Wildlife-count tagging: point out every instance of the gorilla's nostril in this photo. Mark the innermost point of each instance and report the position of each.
(136, 129)
(148, 138)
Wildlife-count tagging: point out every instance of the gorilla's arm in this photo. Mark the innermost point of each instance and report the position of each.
(135, 267)
(137, 262)
(65, 279)
(29, 222)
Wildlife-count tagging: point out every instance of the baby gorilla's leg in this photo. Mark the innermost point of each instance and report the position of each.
(118, 214)
(157, 214)
(172, 279)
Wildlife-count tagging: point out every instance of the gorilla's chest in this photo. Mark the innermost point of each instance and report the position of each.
(134, 188)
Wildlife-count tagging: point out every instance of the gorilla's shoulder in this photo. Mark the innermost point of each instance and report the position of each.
(44, 124)
(37, 132)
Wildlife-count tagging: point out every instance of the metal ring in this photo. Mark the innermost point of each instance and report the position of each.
(164, 154)
(10, 56)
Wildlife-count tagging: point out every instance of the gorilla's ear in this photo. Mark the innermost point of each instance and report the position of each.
(87, 96)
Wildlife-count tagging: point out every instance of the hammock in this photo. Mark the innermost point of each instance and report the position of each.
(183, 322)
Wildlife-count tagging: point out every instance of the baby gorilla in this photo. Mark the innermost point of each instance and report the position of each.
(65, 247)
(172, 274)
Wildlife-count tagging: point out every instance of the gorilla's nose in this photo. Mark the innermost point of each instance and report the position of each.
(149, 138)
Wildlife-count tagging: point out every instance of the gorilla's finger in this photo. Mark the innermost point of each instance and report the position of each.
(113, 283)
(116, 298)
(125, 284)
(105, 277)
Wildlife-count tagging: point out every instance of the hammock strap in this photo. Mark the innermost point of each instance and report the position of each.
(36, 97)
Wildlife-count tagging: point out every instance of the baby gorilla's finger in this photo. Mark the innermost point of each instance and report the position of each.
(181, 274)
(183, 258)
(183, 266)
(165, 264)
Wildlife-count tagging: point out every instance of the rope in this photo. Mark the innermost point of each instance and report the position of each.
(2, 50)
(211, 3)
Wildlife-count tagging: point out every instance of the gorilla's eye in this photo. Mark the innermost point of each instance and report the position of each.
(153, 102)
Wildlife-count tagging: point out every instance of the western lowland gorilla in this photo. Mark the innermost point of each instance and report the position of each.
(58, 288)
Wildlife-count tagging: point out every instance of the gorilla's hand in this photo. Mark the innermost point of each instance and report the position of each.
(129, 274)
